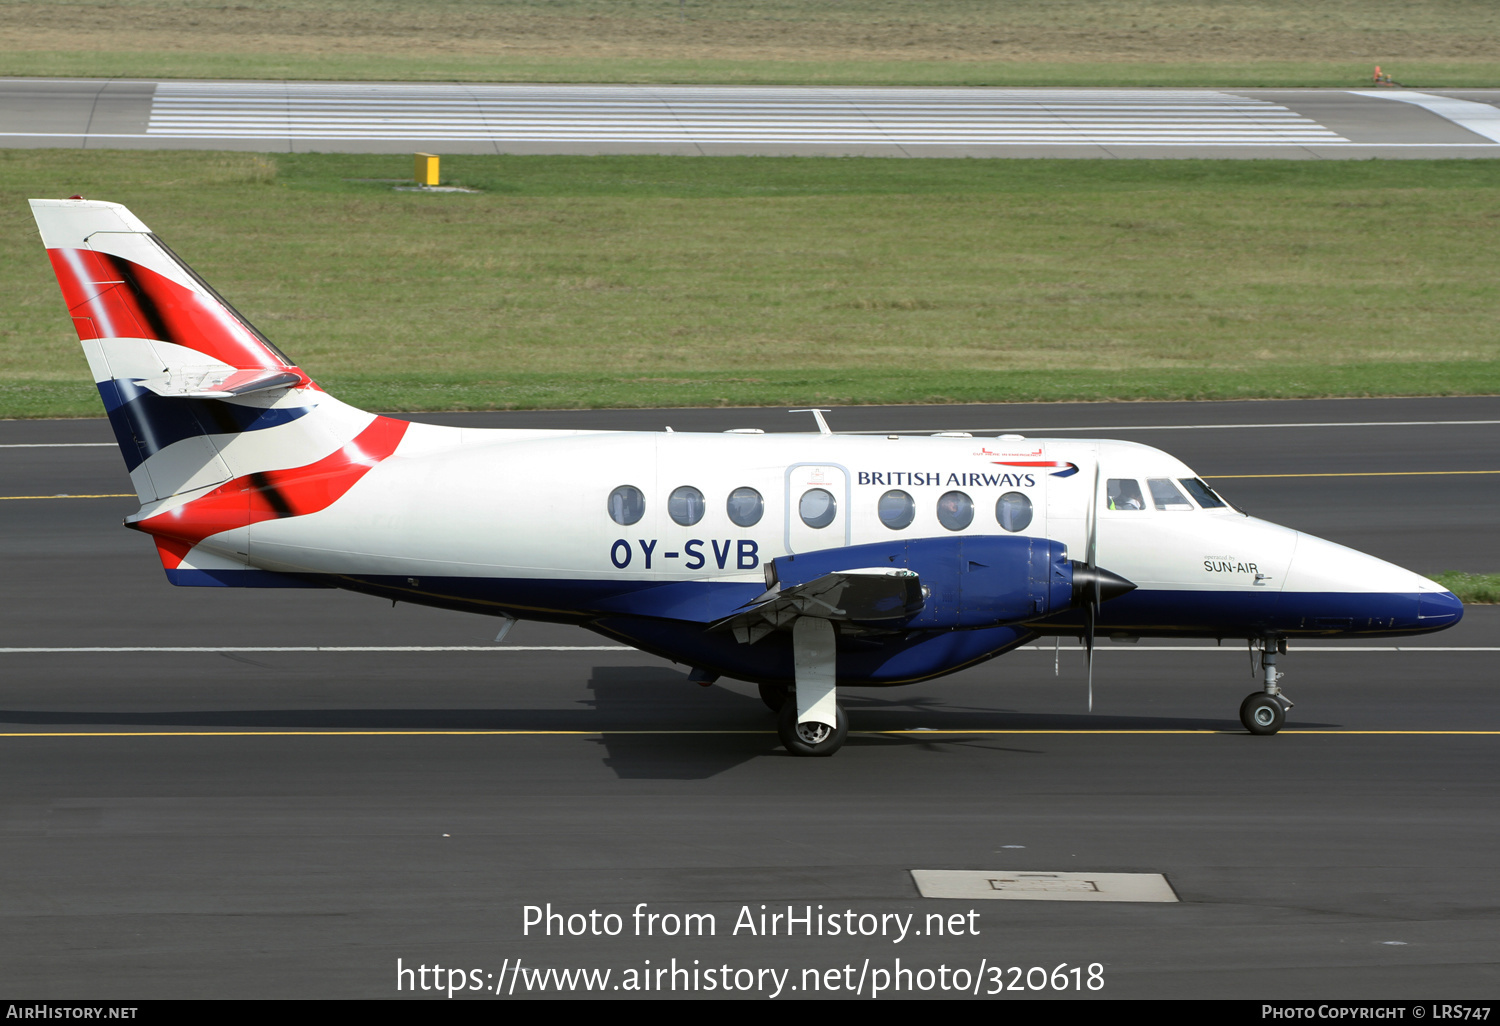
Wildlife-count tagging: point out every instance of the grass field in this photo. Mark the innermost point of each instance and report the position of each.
(659, 281)
(1473, 589)
(1427, 43)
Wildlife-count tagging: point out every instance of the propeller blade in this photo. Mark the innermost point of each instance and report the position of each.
(1088, 650)
(1091, 543)
(1091, 608)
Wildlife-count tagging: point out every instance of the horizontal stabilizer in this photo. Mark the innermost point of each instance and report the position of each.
(874, 595)
(218, 382)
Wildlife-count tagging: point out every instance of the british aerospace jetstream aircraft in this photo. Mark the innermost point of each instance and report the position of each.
(799, 562)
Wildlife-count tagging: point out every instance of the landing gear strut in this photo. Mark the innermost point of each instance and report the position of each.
(811, 722)
(1264, 712)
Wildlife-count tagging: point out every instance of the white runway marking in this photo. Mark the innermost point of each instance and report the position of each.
(1479, 118)
(1189, 427)
(725, 114)
(90, 650)
(971, 884)
(320, 648)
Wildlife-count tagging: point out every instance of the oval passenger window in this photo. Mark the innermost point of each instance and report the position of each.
(955, 511)
(745, 507)
(818, 507)
(626, 505)
(1013, 511)
(685, 505)
(897, 510)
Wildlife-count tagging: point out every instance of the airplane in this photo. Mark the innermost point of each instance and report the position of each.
(799, 562)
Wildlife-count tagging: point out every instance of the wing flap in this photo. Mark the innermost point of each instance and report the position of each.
(868, 595)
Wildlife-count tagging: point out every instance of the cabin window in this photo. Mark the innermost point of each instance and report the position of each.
(818, 507)
(745, 507)
(1013, 511)
(1124, 493)
(1165, 494)
(897, 510)
(626, 505)
(1206, 496)
(685, 505)
(955, 511)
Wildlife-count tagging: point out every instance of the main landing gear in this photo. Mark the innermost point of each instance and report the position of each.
(1264, 711)
(809, 719)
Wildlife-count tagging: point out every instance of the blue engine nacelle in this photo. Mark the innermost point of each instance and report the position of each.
(971, 582)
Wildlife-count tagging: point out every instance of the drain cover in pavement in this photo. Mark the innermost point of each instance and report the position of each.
(975, 883)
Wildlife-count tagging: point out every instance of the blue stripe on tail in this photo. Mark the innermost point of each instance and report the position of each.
(145, 423)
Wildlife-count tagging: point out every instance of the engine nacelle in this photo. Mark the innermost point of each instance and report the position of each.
(967, 582)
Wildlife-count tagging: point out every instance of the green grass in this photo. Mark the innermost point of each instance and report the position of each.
(383, 67)
(1473, 589)
(1423, 43)
(660, 281)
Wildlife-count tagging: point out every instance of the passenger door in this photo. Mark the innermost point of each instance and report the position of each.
(817, 507)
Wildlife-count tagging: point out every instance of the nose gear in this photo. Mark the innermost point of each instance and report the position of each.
(1264, 712)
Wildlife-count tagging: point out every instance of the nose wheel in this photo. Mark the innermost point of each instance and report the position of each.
(1264, 712)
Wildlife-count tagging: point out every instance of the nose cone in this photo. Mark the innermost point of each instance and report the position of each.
(1110, 585)
(1331, 589)
(1438, 609)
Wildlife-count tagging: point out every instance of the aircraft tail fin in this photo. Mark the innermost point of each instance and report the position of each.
(217, 426)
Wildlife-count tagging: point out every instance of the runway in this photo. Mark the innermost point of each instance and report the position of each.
(727, 120)
(279, 793)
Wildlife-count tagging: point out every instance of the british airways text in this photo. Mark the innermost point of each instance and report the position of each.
(916, 479)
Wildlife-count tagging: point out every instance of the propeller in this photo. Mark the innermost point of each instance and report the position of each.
(1091, 608)
(1093, 586)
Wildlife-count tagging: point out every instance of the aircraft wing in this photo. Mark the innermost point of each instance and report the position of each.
(868, 595)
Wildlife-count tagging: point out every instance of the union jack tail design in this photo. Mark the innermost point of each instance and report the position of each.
(218, 428)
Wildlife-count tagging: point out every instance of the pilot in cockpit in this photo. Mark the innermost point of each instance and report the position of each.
(1124, 493)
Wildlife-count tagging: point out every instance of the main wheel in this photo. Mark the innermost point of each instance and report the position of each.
(775, 695)
(1262, 714)
(813, 739)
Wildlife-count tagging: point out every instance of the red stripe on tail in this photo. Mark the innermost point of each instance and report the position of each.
(272, 494)
(111, 297)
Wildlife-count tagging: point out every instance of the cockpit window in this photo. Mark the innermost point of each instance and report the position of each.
(685, 505)
(1124, 493)
(626, 505)
(1203, 493)
(1165, 494)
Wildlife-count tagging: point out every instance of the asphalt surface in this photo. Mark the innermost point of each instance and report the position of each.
(245, 823)
(718, 120)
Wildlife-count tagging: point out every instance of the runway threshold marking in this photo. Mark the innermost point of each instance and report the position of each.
(602, 733)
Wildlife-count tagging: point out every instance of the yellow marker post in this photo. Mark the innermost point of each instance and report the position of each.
(427, 169)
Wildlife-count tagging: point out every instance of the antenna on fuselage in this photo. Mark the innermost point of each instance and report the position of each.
(823, 427)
